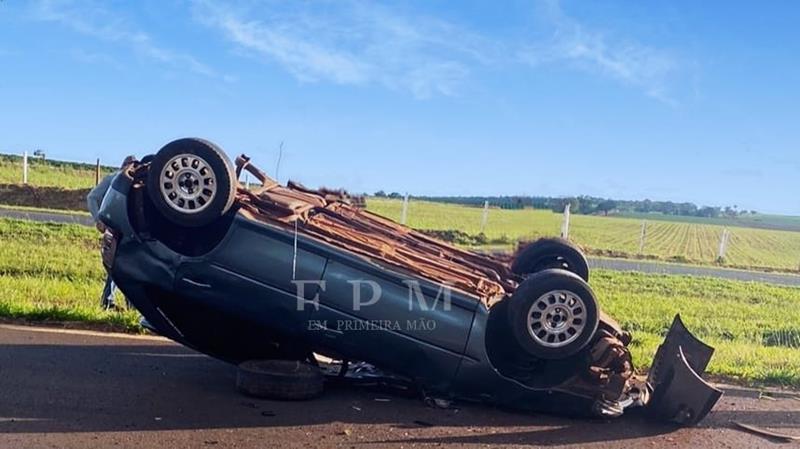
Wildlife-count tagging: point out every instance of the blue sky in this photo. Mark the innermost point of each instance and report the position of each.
(684, 101)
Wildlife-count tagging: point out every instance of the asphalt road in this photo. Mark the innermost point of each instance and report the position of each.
(694, 270)
(54, 217)
(604, 263)
(80, 390)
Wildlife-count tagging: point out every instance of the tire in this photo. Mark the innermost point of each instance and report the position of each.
(191, 182)
(551, 253)
(553, 314)
(287, 380)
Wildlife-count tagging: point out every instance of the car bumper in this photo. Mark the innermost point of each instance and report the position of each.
(679, 394)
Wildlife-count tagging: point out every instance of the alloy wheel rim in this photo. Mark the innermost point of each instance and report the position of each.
(556, 318)
(187, 183)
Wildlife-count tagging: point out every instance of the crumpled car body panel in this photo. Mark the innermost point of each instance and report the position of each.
(680, 395)
(239, 299)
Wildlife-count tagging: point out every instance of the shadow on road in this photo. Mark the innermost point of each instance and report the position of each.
(97, 388)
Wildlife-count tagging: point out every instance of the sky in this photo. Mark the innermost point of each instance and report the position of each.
(682, 101)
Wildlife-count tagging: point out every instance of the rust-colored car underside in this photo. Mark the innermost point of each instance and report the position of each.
(330, 216)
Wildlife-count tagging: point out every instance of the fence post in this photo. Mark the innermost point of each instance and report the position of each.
(642, 236)
(25, 167)
(404, 212)
(97, 172)
(485, 216)
(247, 181)
(565, 223)
(723, 245)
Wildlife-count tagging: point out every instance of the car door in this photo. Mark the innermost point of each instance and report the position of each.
(403, 326)
(252, 274)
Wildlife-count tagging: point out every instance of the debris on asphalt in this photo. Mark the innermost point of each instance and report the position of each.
(383, 400)
(764, 395)
(438, 403)
(766, 432)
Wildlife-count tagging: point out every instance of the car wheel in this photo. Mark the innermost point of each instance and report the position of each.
(191, 182)
(288, 380)
(553, 314)
(551, 253)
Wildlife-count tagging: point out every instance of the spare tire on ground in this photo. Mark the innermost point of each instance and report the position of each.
(550, 252)
(288, 380)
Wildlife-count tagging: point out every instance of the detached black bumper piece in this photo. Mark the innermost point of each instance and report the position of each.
(680, 395)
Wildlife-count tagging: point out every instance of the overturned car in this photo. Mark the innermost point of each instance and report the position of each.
(286, 273)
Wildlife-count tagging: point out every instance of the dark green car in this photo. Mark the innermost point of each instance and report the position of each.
(285, 272)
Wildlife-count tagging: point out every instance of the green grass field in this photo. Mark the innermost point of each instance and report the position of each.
(68, 175)
(615, 236)
(53, 272)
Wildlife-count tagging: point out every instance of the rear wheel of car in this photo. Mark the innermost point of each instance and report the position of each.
(289, 380)
(191, 182)
(553, 314)
(551, 253)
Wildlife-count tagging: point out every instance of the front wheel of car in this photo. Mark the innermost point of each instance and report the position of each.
(191, 182)
(550, 252)
(553, 314)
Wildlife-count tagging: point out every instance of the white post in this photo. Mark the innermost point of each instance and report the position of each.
(723, 244)
(565, 223)
(642, 236)
(485, 216)
(278, 163)
(404, 213)
(247, 181)
(25, 167)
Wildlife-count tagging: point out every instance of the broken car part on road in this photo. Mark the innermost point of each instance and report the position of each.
(284, 272)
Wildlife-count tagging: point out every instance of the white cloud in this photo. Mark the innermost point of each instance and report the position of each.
(93, 19)
(631, 63)
(352, 43)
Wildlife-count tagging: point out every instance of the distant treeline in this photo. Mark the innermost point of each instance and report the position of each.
(39, 158)
(584, 205)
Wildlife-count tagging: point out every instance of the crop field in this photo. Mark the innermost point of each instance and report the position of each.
(52, 272)
(67, 175)
(611, 236)
(761, 221)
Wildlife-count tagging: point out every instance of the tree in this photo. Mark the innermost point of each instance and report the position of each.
(606, 206)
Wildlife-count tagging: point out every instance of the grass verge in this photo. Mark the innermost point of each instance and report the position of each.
(754, 327)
